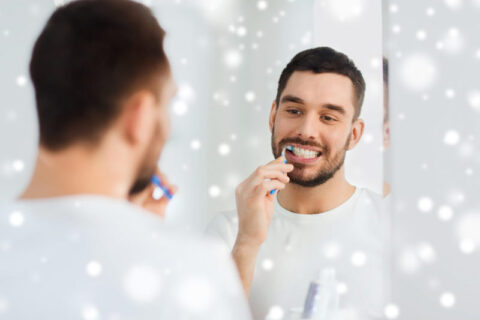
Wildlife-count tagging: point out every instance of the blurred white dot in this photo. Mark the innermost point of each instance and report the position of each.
(467, 229)
(275, 313)
(466, 149)
(391, 311)
(224, 149)
(425, 204)
(426, 252)
(368, 138)
(393, 8)
(439, 45)
(3, 305)
(375, 62)
(445, 213)
(16, 219)
(451, 137)
(232, 58)
(331, 250)
(342, 288)
(195, 144)
(408, 261)
(421, 35)
(214, 191)
(358, 259)
(18, 165)
(233, 137)
(259, 33)
(396, 29)
(469, 171)
(90, 313)
(425, 97)
(196, 294)
(453, 41)
(477, 54)
(267, 264)
(453, 4)
(346, 9)
(250, 96)
(6, 32)
(262, 5)
(447, 300)
(180, 107)
(183, 61)
(430, 11)
(450, 93)
(467, 246)
(456, 197)
(142, 283)
(233, 78)
(94, 269)
(241, 31)
(418, 72)
(473, 98)
(186, 92)
(21, 81)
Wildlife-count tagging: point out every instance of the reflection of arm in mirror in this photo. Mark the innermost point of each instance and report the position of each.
(255, 209)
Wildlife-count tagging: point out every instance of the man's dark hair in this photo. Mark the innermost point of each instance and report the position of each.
(90, 55)
(386, 98)
(322, 60)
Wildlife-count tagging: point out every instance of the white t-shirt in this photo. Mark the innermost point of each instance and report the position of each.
(353, 238)
(92, 257)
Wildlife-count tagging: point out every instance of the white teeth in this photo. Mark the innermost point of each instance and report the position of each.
(304, 153)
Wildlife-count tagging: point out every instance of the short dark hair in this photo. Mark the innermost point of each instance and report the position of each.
(386, 98)
(322, 60)
(90, 55)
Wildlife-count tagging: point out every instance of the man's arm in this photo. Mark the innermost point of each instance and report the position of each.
(255, 210)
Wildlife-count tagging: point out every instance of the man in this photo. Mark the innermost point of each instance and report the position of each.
(317, 220)
(73, 247)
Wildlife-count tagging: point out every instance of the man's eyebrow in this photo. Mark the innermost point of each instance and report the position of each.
(336, 108)
(290, 98)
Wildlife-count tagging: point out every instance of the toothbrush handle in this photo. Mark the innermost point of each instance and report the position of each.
(273, 190)
(156, 181)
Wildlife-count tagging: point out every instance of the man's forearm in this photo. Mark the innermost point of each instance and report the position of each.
(245, 255)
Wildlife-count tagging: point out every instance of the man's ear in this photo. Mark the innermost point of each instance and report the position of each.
(356, 134)
(273, 112)
(137, 121)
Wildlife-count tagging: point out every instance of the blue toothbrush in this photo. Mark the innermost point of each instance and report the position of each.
(289, 148)
(156, 181)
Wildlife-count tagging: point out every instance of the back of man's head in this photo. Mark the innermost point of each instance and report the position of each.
(89, 57)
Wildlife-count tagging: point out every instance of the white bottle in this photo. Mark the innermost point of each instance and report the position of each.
(322, 298)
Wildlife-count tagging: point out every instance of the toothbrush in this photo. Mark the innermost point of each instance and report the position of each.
(156, 181)
(289, 148)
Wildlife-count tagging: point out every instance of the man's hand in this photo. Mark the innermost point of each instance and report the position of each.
(145, 198)
(255, 203)
(255, 210)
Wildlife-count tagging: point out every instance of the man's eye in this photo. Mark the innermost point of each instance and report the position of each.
(293, 111)
(327, 118)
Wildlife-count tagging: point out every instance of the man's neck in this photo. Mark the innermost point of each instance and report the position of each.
(76, 170)
(318, 199)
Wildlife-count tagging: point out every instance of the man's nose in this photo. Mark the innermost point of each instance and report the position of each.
(308, 127)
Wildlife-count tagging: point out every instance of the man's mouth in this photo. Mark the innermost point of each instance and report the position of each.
(304, 154)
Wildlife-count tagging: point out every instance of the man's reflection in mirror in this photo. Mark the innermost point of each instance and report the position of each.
(300, 225)
(386, 129)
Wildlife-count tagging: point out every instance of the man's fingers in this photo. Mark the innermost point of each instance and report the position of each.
(269, 185)
(264, 174)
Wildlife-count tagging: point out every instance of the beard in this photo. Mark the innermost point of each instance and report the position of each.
(148, 166)
(333, 163)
